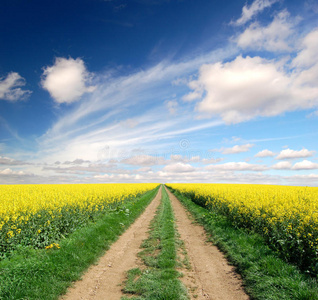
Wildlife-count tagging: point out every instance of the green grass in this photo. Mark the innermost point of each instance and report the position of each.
(266, 276)
(46, 274)
(158, 279)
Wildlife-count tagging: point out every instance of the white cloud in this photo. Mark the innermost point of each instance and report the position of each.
(144, 160)
(176, 157)
(178, 168)
(115, 98)
(245, 88)
(291, 154)
(9, 171)
(207, 161)
(184, 159)
(308, 179)
(248, 12)
(306, 63)
(66, 80)
(237, 166)
(308, 55)
(282, 165)
(305, 165)
(116, 177)
(10, 161)
(10, 87)
(236, 149)
(271, 38)
(144, 169)
(265, 153)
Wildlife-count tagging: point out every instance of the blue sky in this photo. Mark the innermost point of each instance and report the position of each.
(159, 91)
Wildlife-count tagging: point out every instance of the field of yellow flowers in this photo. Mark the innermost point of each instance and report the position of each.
(40, 215)
(286, 216)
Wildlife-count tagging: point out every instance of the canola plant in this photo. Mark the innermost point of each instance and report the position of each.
(286, 216)
(38, 215)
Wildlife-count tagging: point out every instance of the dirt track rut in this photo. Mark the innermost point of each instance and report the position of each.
(211, 277)
(103, 281)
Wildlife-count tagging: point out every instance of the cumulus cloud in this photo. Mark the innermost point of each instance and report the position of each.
(292, 154)
(282, 165)
(237, 166)
(248, 12)
(305, 165)
(10, 87)
(66, 80)
(265, 153)
(178, 168)
(236, 149)
(245, 88)
(271, 38)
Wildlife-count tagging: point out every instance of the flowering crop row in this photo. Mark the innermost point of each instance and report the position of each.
(37, 215)
(286, 216)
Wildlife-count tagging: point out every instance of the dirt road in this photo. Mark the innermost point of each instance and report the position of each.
(211, 277)
(103, 281)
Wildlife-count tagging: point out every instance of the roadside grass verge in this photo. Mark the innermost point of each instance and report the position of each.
(265, 275)
(46, 274)
(158, 277)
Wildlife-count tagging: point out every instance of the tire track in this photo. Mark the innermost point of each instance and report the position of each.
(211, 276)
(103, 280)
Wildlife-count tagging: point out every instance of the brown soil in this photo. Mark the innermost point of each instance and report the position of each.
(103, 280)
(211, 276)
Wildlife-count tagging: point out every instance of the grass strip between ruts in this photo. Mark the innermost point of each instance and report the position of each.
(158, 278)
(46, 274)
(265, 275)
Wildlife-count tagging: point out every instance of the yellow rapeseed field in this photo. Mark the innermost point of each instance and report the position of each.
(38, 215)
(287, 216)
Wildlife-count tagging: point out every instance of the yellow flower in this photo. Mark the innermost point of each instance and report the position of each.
(10, 234)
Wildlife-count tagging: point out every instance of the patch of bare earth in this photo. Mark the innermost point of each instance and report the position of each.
(210, 276)
(103, 280)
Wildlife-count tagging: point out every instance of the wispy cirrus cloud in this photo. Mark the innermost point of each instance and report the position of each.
(250, 11)
(117, 97)
(10, 87)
